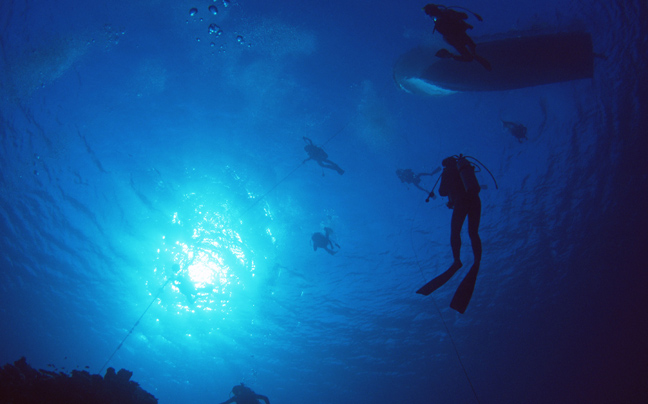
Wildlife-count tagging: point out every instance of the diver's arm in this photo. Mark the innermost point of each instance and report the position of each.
(310, 142)
(264, 398)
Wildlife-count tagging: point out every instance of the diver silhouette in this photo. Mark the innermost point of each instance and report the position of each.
(518, 130)
(452, 25)
(407, 176)
(323, 240)
(460, 185)
(318, 154)
(245, 395)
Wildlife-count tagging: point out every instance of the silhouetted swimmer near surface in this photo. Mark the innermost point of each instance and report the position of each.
(460, 185)
(518, 130)
(452, 25)
(318, 154)
(407, 176)
(323, 241)
(245, 395)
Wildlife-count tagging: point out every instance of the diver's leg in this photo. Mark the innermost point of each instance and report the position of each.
(474, 218)
(470, 43)
(472, 51)
(333, 166)
(466, 49)
(483, 62)
(459, 43)
(458, 216)
(464, 54)
(465, 290)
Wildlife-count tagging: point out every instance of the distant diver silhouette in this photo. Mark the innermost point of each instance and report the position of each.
(319, 155)
(460, 185)
(452, 25)
(245, 395)
(323, 240)
(408, 176)
(518, 130)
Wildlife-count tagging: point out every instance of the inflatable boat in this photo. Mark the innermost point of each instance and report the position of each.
(517, 62)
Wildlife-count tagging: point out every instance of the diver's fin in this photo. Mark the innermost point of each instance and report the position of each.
(443, 54)
(484, 62)
(440, 280)
(465, 290)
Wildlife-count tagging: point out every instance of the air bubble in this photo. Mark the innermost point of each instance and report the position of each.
(193, 11)
(215, 29)
(213, 9)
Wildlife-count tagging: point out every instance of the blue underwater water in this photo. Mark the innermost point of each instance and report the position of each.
(155, 214)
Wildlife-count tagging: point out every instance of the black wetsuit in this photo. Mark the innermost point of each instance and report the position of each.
(463, 204)
(321, 240)
(452, 26)
(318, 154)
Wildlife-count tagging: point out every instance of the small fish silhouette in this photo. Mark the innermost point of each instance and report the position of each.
(517, 129)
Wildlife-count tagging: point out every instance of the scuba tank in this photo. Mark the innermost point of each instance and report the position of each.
(467, 174)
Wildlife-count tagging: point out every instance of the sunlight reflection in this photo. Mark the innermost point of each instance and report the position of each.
(199, 265)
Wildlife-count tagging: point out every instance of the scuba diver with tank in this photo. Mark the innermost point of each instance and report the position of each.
(242, 394)
(453, 26)
(459, 183)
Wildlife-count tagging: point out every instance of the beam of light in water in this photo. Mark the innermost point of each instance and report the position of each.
(205, 261)
(204, 271)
